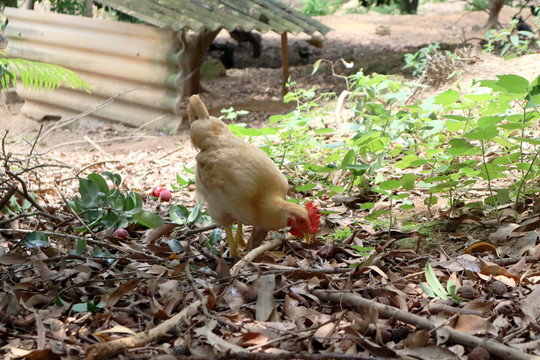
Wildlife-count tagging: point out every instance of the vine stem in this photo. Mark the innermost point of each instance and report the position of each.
(487, 173)
(525, 178)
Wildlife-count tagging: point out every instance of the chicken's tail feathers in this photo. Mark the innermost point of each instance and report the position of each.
(196, 109)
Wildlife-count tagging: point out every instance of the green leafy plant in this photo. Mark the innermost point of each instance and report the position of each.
(37, 75)
(319, 7)
(419, 60)
(363, 250)
(231, 114)
(446, 144)
(506, 42)
(182, 181)
(103, 207)
(35, 239)
(434, 288)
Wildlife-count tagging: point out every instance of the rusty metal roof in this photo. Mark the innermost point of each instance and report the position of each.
(260, 15)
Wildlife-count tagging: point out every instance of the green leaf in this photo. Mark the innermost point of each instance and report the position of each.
(363, 250)
(188, 170)
(532, 141)
(427, 290)
(337, 189)
(452, 288)
(390, 185)
(306, 187)
(35, 239)
(408, 181)
(459, 147)
(514, 39)
(348, 159)
(180, 180)
(89, 191)
(323, 131)
(175, 246)
(269, 131)
(115, 178)
(60, 302)
(215, 237)
(80, 307)
(434, 283)
(81, 247)
(88, 306)
(447, 98)
(178, 214)
(37, 75)
(97, 252)
(100, 182)
(148, 219)
(374, 215)
(482, 134)
(195, 213)
(430, 200)
(316, 66)
(513, 84)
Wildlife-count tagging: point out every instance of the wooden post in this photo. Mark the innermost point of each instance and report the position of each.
(285, 56)
(89, 6)
(194, 46)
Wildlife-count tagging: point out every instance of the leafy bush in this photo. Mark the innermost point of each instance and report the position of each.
(509, 42)
(103, 207)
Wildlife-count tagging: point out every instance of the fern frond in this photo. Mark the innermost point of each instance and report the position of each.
(38, 75)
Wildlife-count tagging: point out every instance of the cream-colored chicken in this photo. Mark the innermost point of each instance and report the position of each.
(240, 183)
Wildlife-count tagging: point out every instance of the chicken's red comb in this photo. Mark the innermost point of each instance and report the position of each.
(313, 214)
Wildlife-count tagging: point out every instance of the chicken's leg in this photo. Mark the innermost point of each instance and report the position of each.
(232, 242)
(239, 238)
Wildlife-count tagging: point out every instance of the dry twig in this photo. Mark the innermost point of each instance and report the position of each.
(252, 255)
(108, 349)
(495, 348)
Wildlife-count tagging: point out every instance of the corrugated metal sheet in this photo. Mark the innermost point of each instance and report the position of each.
(113, 57)
(260, 15)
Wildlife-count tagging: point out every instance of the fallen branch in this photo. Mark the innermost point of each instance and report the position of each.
(285, 355)
(252, 255)
(197, 230)
(497, 349)
(108, 349)
(441, 308)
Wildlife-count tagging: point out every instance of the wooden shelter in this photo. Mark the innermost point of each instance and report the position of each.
(153, 67)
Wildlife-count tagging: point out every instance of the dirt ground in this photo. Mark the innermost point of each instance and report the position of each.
(255, 84)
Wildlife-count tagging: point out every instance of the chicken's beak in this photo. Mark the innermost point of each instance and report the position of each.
(309, 237)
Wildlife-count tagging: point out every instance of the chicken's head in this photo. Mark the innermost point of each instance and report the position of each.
(305, 224)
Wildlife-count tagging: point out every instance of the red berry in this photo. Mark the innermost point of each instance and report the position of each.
(165, 195)
(121, 233)
(157, 190)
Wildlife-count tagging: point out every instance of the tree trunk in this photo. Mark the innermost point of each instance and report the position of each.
(88, 8)
(495, 7)
(191, 59)
(409, 6)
